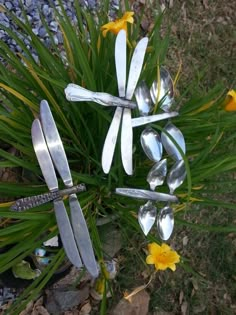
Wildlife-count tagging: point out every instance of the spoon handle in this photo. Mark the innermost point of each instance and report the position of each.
(139, 121)
(77, 93)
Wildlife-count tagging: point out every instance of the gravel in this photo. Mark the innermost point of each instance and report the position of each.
(35, 8)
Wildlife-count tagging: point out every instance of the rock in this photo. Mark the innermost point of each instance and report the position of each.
(58, 301)
(8, 5)
(138, 305)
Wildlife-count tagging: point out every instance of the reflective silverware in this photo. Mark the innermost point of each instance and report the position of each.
(165, 223)
(151, 144)
(147, 216)
(166, 93)
(176, 176)
(127, 93)
(140, 121)
(50, 154)
(26, 203)
(143, 99)
(145, 194)
(76, 93)
(169, 145)
(157, 174)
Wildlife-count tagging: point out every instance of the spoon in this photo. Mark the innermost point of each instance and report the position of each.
(148, 212)
(157, 174)
(143, 98)
(169, 145)
(165, 222)
(147, 216)
(176, 176)
(151, 144)
(166, 93)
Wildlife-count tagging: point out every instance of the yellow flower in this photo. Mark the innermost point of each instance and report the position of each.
(162, 257)
(230, 101)
(119, 24)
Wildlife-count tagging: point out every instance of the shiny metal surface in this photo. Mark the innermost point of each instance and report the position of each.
(54, 143)
(110, 141)
(136, 67)
(120, 62)
(157, 174)
(127, 130)
(145, 194)
(112, 134)
(43, 156)
(56, 151)
(176, 176)
(26, 203)
(169, 145)
(151, 144)
(76, 93)
(143, 99)
(166, 93)
(82, 236)
(165, 223)
(66, 233)
(127, 142)
(147, 216)
(140, 121)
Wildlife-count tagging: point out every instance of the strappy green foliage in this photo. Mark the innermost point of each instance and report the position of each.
(87, 59)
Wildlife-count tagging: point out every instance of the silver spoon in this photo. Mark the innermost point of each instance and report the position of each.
(148, 212)
(165, 222)
(157, 174)
(147, 216)
(166, 90)
(169, 145)
(176, 176)
(151, 144)
(143, 99)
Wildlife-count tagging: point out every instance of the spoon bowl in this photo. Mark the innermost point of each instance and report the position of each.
(169, 145)
(147, 216)
(176, 176)
(151, 144)
(157, 174)
(165, 223)
(166, 93)
(143, 99)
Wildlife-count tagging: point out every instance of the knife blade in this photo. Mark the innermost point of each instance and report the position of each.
(43, 156)
(127, 130)
(82, 236)
(112, 134)
(54, 143)
(66, 233)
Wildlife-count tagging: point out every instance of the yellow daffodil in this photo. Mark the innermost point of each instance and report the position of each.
(119, 24)
(230, 101)
(162, 257)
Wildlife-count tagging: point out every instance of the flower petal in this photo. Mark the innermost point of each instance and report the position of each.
(230, 101)
(150, 260)
(165, 247)
(172, 267)
(154, 249)
(128, 17)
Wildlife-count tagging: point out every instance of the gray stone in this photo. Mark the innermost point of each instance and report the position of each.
(42, 31)
(8, 5)
(59, 301)
(60, 37)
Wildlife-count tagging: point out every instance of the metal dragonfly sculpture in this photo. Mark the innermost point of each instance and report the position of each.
(50, 152)
(123, 103)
